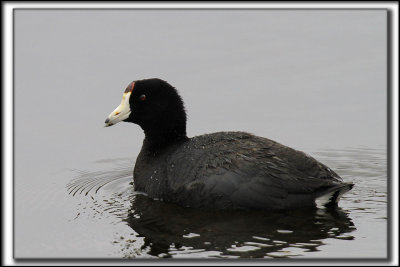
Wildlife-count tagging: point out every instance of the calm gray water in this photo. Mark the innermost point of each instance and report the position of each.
(312, 80)
(149, 228)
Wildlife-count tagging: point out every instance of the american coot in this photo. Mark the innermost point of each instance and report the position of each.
(224, 170)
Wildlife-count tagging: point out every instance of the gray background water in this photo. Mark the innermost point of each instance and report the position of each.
(314, 80)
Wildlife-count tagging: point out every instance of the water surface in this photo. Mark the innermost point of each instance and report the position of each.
(314, 80)
(152, 228)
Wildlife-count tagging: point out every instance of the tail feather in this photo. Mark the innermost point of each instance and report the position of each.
(331, 198)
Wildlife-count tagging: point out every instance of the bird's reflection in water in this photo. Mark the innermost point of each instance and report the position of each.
(169, 230)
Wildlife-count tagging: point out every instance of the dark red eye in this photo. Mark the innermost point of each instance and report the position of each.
(142, 97)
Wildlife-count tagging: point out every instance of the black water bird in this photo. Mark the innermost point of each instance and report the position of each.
(224, 170)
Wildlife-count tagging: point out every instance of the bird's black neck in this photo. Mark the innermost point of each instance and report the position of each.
(160, 137)
(168, 126)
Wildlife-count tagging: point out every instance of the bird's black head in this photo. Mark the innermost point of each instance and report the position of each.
(154, 105)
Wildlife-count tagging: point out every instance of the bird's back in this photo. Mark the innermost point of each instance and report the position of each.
(234, 170)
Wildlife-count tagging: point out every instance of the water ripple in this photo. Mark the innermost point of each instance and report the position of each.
(161, 229)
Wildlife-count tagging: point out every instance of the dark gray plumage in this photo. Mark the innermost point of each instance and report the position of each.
(225, 170)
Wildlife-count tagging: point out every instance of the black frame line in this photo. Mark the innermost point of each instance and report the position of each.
(389, 150)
